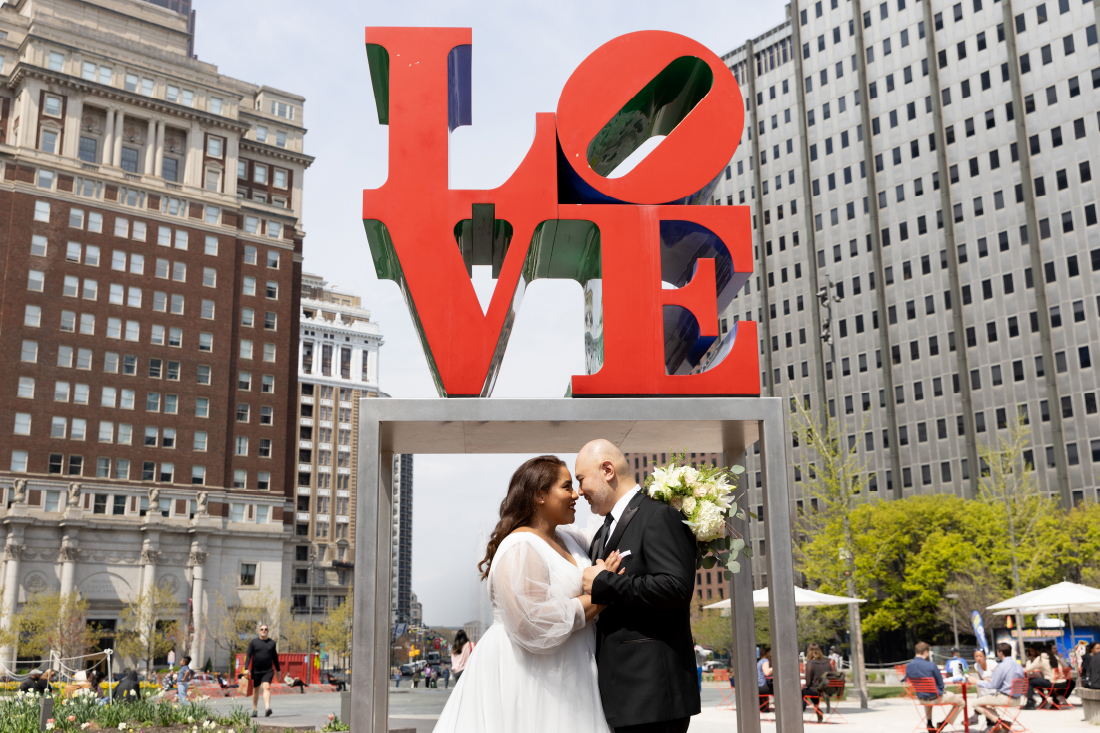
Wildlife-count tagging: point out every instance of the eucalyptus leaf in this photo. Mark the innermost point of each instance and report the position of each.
(734, 566)
(738, 543)
(709, 562)
(747, 552)
(737, 469)
(728, 575)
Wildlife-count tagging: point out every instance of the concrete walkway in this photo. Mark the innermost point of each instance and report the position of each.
(419, 710)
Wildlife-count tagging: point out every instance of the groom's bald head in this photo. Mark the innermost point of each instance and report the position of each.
(603, 475)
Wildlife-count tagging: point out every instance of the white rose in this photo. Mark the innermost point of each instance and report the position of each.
(699, 491)
(689, 505)
(710, 522)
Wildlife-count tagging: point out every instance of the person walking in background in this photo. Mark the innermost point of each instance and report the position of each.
(446, 678)
(460, 654)
(183, 679)
(262, 660)
(836, 660)
(416, 678)
(397, 679)
(817, 667)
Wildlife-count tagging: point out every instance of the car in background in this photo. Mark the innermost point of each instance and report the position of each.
(710, 665)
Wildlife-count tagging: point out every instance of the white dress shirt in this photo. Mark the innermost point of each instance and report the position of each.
(617, 511)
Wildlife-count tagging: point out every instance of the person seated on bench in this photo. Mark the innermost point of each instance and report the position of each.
(295, 682)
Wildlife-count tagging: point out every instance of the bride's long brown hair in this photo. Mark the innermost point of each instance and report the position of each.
(534, 477)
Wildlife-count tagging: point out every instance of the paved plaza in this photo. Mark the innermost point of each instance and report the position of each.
(419, 709)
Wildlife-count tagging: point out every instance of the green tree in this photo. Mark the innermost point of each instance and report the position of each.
(52, 622)
(834, 488)
(233, 622)
(1008, 488)
(336, 632)
(711, 628)
(148, 625)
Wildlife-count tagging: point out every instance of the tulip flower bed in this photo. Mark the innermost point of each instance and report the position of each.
(83, 714)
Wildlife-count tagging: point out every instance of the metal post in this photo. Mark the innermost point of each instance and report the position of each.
(954, 598)
(309, 635)
(743, 620)
(777, 527)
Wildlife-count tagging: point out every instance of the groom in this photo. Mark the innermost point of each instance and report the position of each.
(644, 650)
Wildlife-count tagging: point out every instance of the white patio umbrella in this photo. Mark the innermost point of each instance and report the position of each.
(1058, 598)
(1065, 597)
(802, 597)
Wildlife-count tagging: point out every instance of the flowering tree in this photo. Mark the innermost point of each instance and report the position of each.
(53, 622)
(147, 628)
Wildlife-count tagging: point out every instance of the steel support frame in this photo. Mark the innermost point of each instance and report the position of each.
(494, 426)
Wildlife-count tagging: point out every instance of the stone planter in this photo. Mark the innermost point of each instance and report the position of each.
(1090, 703)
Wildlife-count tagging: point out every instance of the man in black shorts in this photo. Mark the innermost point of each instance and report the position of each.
(262, 661)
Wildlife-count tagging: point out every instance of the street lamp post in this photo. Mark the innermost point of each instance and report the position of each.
(309, 633)
(954, 598)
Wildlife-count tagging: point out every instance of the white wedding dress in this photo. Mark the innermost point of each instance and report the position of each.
(534, 670)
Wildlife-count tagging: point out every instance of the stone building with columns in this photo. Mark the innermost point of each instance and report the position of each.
(149, 307)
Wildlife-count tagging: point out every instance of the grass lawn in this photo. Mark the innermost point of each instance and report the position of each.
(881, 692)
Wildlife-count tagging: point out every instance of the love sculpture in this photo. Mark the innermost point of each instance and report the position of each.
(561, 216)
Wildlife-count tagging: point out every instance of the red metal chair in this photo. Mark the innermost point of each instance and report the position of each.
(1011, 713)
(927, 686)
(766, 703)
(1062, 678)
(729, 700)
(833, 688)
(899, 670)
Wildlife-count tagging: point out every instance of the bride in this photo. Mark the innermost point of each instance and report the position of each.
(534, 670)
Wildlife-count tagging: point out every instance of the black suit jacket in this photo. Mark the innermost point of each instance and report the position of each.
(644, 649)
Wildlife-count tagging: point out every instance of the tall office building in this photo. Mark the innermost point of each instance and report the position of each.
(402, 599)
(149, 313)
(338, 367)
(933, 162)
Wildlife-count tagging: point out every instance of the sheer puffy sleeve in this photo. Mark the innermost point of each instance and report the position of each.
(536, 618)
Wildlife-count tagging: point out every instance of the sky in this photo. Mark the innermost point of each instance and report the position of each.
(523, 53)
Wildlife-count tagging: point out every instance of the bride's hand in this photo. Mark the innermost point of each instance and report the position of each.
(614, 561)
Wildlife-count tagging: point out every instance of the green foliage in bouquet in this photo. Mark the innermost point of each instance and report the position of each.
(705, 497)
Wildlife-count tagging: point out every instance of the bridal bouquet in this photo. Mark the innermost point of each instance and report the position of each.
(705, 497)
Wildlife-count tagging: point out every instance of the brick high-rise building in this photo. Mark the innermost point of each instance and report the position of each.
(151, 242)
